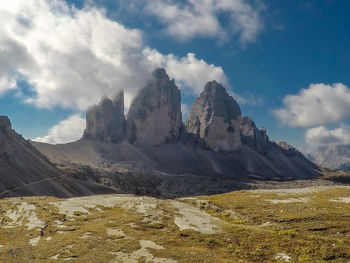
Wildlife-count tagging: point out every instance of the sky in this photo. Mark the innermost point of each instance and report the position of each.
(286, 62)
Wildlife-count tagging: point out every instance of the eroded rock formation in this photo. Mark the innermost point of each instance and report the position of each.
(253, 137)
(106, 121)
(155, 116)
(215, 117)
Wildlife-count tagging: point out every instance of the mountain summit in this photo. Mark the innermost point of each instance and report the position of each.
(106, 121)
(155, 116)
(335, 156)
(215, 117)
(152, 151)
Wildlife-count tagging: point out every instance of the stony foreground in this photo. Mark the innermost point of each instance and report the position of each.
(294, 225)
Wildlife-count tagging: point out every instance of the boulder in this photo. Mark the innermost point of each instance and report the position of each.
(215, 117)
(155, 115)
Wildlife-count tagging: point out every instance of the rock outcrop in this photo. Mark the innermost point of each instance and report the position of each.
(106, 121)
(155, 115)
(253, 137)
(215, 117)
(5, 124)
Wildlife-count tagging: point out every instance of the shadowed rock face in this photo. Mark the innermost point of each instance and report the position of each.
(155, 116)
(215, 117)
(5, 124)
(25, 171)
(253, 137)
(106, 121)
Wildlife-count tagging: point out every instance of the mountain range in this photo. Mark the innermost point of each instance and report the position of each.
(334, 156)
(151, 150)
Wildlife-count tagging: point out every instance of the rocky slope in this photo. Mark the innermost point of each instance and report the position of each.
(26, 171)
(332, 156)
(214, 151)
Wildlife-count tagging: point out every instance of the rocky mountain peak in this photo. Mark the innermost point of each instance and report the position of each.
(155, 115)
(215, 117)
(160, 73)
(333, 156)
(105, 121)
(214, 87)
(253, 137)
(223, 104)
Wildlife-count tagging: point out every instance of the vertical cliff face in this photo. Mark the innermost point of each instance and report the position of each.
(253, 137)
(155, 116)
(5, 124)
(215, 117)
(106, 121)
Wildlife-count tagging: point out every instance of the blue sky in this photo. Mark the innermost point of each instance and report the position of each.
(294, 44)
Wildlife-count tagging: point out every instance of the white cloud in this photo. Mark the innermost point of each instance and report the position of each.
(189, 72)
(184, 110)
(65, 131)
(322, 136)
(12, 55)
(72, 57)
(320, 104)
(192, 18)
(7, 84)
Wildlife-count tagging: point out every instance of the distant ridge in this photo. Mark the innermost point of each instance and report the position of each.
(332, 156)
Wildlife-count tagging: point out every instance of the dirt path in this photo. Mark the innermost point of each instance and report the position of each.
(30, 184)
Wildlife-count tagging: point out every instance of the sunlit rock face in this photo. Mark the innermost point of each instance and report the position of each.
(215, 117)
(106, 121)
(155, 116)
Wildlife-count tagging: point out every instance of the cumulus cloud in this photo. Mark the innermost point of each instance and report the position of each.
(7, 84)
(71, 57)
(322, 136)
(189, 72)
(65, 131)
(320, 104)
(13, 56)
(187, 19)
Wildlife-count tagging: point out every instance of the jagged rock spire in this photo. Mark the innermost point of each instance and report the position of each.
(155, 115)
(106, 121)
(253, 137)
(215, 117)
